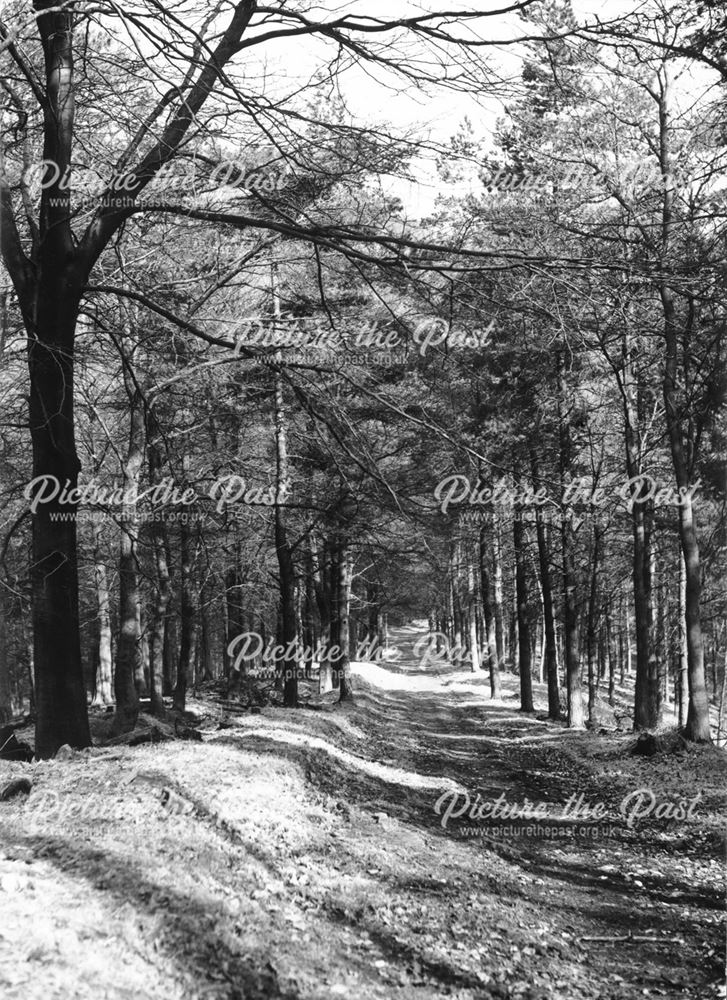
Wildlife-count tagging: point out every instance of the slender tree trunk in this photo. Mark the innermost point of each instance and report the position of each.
(513, 635)
(627, 628)
(286, 570)
(645, 709)
(308, 614)
(523, 619)
(498, 589)
(104, 694)
(472, 614)
(455, 585)
(659, 640)
(551, 649)
(188, 622)
(488, 610)
(159, 544)
(611, 647)
(373, 619)
(207, 631)
(666, 606)
(697, 727)
(325, 600)
(593, 623)
(334, 587)
(683, 658)
(142, 666)
(6, 701)
(570, 608)
(128, 651)
(156, 646)
(683, 447)
(341, 665)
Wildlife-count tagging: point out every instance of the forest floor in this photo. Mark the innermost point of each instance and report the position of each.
(300, 853)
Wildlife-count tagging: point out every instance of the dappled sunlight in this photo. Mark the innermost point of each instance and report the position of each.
(395, 776)
(389, 680)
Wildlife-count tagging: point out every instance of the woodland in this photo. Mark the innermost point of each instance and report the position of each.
(362, 441)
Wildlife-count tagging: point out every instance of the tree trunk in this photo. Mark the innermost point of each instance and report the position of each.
(570, 607)
(472, 614)
(488, 610)
(104, 694)
(188, 622)
(627, 629)
(128, 652)
(60, 694)
(289, 633)
(49, 293)
(611, 648)
(683, 447)
(551, 650)
(645, 708)
(341, 664)
(523, 620)
(207, 660)
(457, 617)
(325, 600)
(683, 657)
(159, 544)
(334, 587)
(697, 727)
(6, 701)
(497, 592)
(593, 623)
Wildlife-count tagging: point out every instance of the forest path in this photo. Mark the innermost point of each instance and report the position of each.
(301, 855)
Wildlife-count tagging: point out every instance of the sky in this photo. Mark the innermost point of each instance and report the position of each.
(436, 113)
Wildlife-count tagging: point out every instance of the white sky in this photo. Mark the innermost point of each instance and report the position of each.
(438, 113)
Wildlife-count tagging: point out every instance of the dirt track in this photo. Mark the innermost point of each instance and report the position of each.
(303, 857)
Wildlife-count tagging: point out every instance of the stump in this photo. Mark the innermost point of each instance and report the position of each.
(651, 744)
(11, 748)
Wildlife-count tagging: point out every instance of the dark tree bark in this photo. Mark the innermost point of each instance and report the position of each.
(611, 649)
(472, 612)
(156, 645)
(684, 434)
(128, 652)
(570, 608)
(488, 611)
(189, 609)
(340, 630)
(49, 294)
(551, 651)
(207, 631)
(163, 582)
(373, 619)
(455, 584)
(6, 705)
(523, 617)
(286, 569)
(645, 708)
(309, 631)
(592, 624)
